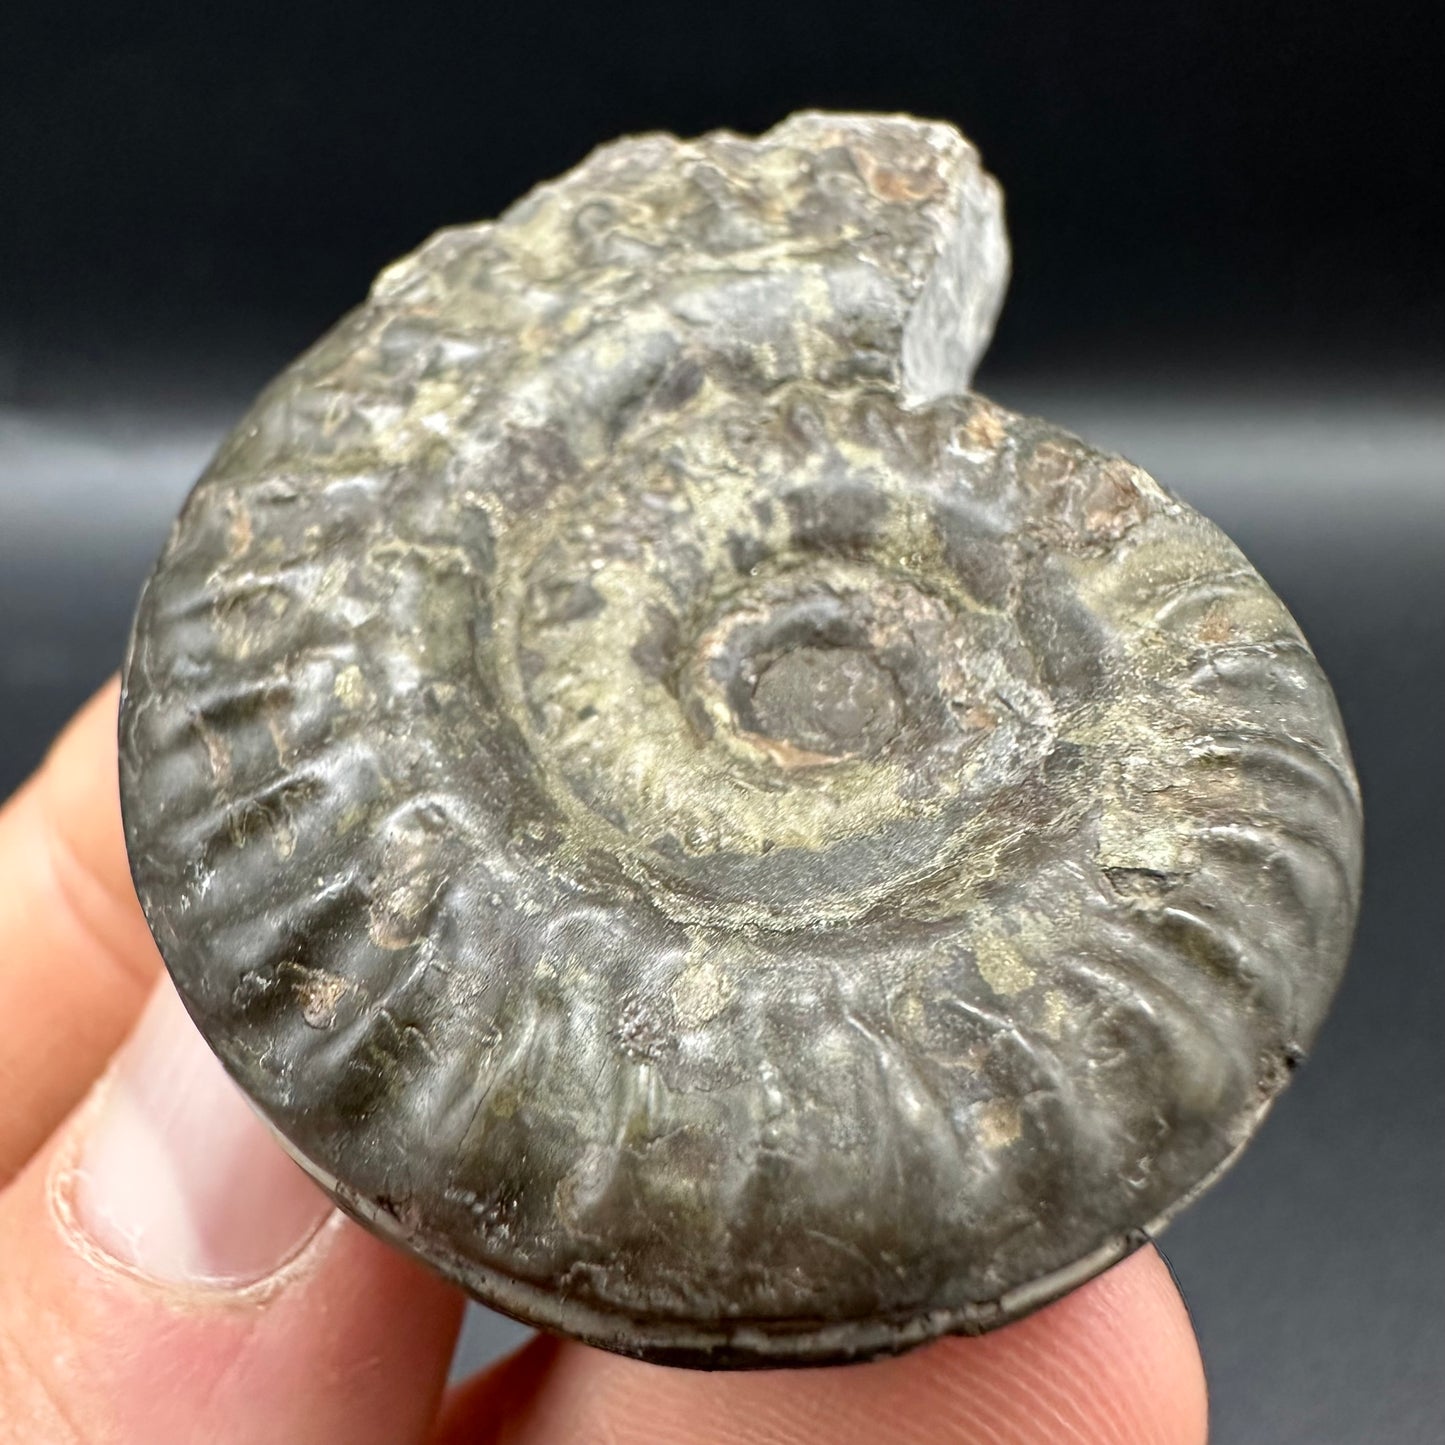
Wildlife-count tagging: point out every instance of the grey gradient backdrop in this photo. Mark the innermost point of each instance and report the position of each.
(1226, 267)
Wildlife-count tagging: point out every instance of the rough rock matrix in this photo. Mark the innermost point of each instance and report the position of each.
(724, 842)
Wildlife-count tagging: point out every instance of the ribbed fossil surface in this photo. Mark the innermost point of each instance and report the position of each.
(723, 841)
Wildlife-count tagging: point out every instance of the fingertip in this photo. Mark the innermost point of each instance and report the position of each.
(76, 957)
(79, 778)
(1115, 1361)
(480, 1408)
(172, 1276)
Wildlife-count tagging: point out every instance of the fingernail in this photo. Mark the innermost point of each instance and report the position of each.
(177, 1177)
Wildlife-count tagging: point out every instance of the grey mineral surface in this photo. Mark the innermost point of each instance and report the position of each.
(718, 838)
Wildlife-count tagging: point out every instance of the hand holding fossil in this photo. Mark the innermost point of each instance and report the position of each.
(169, 1276)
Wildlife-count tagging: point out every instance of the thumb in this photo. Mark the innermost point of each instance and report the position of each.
(171, 1276)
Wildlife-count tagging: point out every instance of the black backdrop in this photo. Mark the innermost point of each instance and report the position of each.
(1226, 265)
(1186, 179)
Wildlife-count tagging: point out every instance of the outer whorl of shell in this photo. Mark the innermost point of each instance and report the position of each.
(722, 841)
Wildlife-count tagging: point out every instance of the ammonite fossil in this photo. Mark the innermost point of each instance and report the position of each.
(721, 840)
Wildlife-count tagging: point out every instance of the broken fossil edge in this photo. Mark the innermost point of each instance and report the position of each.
(719, 1034)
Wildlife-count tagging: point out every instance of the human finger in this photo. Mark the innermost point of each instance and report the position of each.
(76, 957)
(171, 1276)
(1115, 1361)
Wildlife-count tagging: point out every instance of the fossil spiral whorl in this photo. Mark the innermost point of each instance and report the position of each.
(716, 837)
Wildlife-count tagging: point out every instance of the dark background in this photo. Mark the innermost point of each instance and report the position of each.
(1187, 182)
(1226, 265)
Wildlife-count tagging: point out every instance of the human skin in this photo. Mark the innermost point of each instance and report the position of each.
(169, 1276)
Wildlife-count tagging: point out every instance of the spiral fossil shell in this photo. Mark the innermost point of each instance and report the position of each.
(724, 842)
